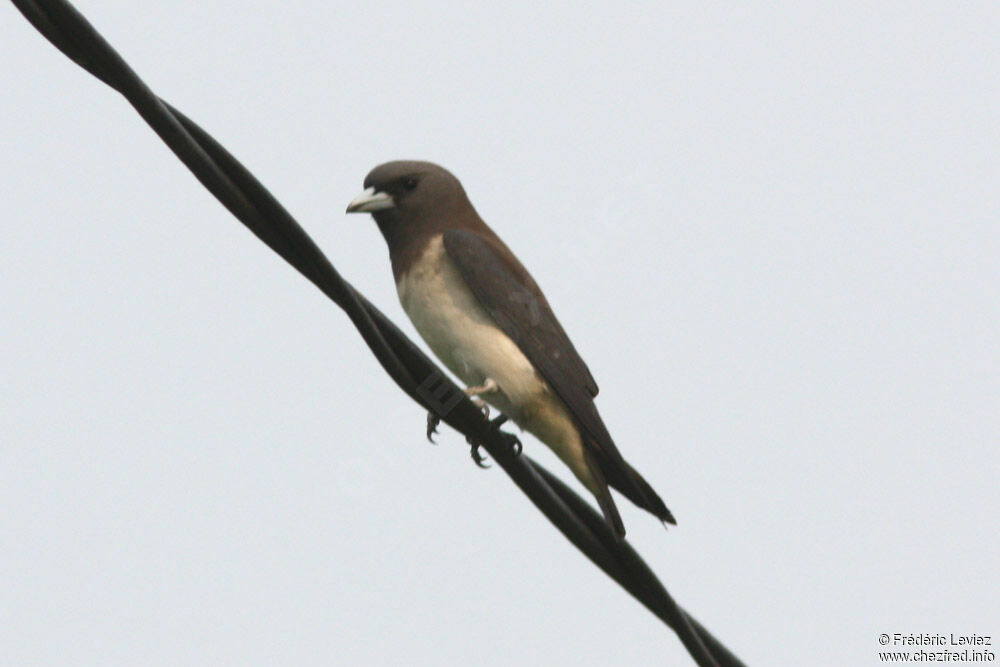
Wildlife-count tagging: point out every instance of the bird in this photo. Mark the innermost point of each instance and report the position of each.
(486, 319)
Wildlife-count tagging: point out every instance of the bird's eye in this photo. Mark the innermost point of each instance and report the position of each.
(410, 183)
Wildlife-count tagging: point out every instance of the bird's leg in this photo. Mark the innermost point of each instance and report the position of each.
(487, 387)
(473, 393)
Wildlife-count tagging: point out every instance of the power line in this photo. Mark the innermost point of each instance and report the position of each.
(251, 203)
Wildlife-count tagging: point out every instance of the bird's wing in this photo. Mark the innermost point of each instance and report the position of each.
(508, 293)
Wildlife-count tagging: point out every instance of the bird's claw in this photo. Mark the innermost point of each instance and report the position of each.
(512, 441)
(432, 426)
(477, 456)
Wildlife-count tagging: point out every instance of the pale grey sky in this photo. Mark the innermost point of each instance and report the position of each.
(771, 230)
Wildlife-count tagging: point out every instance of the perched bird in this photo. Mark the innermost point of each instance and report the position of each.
(485, 318)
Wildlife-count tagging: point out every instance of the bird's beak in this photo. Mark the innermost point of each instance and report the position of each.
(370, 201)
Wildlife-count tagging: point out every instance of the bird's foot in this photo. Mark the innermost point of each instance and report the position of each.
(512, 441)
(433, 419)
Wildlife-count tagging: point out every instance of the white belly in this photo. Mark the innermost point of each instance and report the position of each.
(463, 335)
(465, 338)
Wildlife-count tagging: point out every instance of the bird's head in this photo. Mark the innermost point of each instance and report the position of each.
(408, 192)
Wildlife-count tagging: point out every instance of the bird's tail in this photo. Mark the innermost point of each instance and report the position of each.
(631, 484)
(638, 490)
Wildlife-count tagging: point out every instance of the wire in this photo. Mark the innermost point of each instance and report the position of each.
(240, 192)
